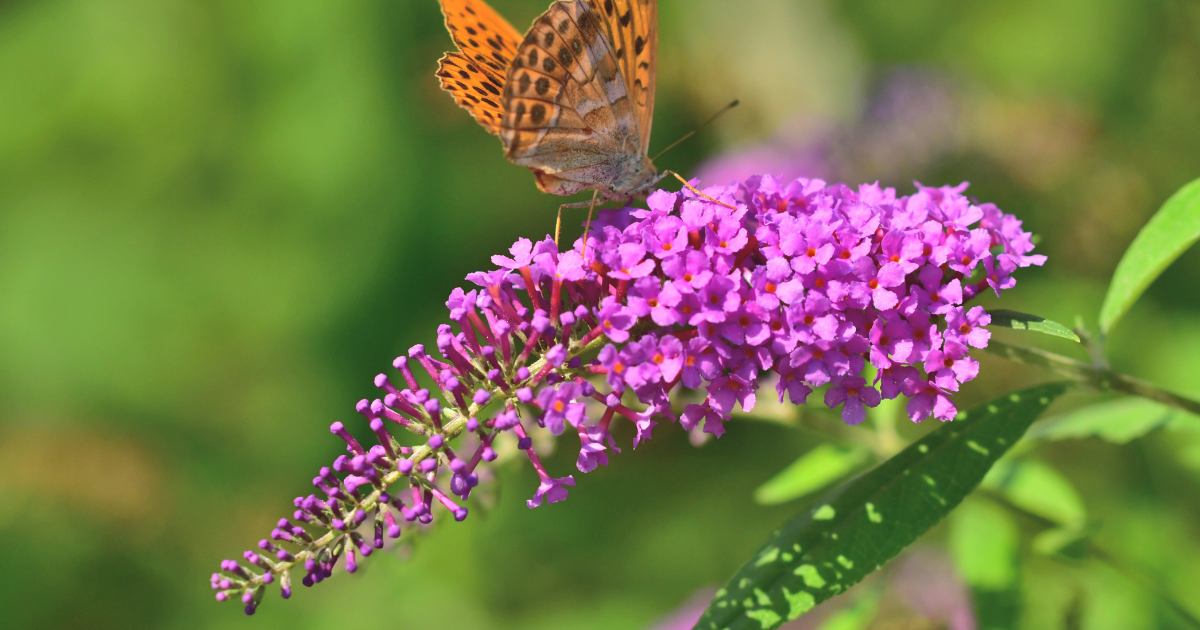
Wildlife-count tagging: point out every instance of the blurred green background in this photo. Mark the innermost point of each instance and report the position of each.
(219, 220)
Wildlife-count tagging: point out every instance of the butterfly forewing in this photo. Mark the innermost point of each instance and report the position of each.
(483, 36)
(473, 90)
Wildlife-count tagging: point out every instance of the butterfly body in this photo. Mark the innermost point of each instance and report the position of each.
(572, 100)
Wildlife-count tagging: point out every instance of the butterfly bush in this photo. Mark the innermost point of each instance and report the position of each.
(801, 283)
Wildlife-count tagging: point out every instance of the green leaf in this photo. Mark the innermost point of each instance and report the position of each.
(857, 616)
(1163, 239)
(857, 528)
(984, 541)
(1118, 421)
(813, 470)
(1039, 489)
(1025, 321)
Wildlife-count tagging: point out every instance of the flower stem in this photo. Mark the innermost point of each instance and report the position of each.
(1101, 378)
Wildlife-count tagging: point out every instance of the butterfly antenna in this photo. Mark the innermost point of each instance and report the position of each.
(698, 128)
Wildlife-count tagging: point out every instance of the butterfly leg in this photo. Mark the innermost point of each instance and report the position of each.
(693, 189)
(590, 205)
(588, 226)
(558, 225)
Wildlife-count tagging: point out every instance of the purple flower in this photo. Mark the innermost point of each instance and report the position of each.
(968, 328)
(800, 278)
(591, 448)
(726, 390)
(669, 359)
(522, 256)
(793, 384)
(615, 319)
(554, 490)
(951, 366)
(559, 406)
(714, 423)
(627, 262)
(878, 281)
(656, 299)
(820, 361)
(926, 398)
(690, 270)
(891, 339)
(853, 392)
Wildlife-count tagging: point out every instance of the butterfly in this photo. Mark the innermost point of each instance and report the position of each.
(573, 100)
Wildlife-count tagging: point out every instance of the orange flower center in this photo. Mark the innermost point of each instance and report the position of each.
(818, 354)
(819, 283)
(852, 391)
(618, 367)
(811, 253)
(659, 358)
(964, 329)
(558, 406)
(808, 320)
(874, 284)
(744, 321)
(845, 254)
(667, 247)
(770, 288)
(948, 362)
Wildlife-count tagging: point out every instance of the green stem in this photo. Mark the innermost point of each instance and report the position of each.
(1101, 378)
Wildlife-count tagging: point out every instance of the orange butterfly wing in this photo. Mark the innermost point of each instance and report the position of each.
(475, 77)
(632, 29)
(570, 113)
(573, 100)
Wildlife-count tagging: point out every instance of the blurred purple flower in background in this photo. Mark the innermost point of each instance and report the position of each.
(911, 118)
(813, 282)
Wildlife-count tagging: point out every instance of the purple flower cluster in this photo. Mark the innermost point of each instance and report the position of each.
(802, 282)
